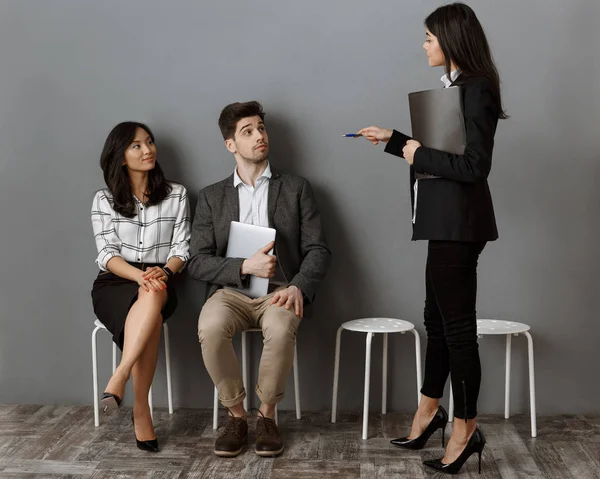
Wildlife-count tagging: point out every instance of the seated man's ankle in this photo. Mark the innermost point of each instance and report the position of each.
(238, 411)
(268, 410)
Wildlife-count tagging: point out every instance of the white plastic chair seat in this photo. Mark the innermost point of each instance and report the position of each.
(378, 325)
(373, 326)
(495, 326)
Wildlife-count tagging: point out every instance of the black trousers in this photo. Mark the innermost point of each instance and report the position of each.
(451, 323)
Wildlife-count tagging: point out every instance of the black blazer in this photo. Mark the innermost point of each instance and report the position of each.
(457, 206)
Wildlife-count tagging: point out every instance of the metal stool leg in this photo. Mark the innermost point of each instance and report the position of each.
(451, 405)
(168, 367)
(216, 410)
(245, 367)
(95, 375)
(418, 361)
(114, 357)
(507, 378)
(336, 375)
(297, 384)
(367, 380)
(531, 384)
(384, 378)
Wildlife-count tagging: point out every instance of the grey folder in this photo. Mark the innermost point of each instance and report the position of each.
(244, 241)
(437, 120)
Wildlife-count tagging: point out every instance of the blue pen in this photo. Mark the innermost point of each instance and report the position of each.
(351, 135)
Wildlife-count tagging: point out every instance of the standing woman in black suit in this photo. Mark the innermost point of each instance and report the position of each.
(454, 213)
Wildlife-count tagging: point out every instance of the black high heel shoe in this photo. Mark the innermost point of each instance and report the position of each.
(475, 445)
(109, 403)
(439, 421)
(150, 446)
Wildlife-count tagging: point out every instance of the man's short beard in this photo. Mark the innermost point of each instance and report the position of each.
(260, 159)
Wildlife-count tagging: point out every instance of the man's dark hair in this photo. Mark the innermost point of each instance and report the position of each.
(234, 112)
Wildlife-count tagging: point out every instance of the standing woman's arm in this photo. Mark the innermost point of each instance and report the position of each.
(481, 118)
(396, 143)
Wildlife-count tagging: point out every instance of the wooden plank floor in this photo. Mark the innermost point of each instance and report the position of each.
(61, 441)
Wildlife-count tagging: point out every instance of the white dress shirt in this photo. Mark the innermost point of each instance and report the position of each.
(254, 199)
(254, 209)
(448, 81)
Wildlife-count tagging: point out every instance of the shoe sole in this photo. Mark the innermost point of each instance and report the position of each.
(108, 406)
(269, 453)
(228, 453)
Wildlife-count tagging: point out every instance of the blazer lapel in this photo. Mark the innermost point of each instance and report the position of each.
(232, 199)
(274, 187)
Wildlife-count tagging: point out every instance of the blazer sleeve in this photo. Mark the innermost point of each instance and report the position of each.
(396, 143)
(481, 109)
(315, 252)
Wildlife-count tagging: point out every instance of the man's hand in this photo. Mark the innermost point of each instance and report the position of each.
(288, 298)
(261, 264)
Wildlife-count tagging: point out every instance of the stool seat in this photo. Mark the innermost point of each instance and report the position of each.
(496, 326)
(378, 325)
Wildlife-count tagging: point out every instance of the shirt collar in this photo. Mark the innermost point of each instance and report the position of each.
(238, 181)
(453, 76)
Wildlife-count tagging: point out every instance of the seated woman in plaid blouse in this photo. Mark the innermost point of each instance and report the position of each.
(142, 231)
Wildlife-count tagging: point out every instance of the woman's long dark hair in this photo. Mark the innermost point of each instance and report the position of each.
(463, 42)
(116, 175)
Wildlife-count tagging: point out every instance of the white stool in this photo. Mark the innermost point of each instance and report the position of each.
(99, 327)
(245, 380)
(508, 328)
(372, 326)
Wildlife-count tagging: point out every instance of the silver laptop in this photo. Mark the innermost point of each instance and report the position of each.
(244, 241)
(437, 120)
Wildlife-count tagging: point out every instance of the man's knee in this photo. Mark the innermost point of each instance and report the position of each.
(213, 327)
(281, 325)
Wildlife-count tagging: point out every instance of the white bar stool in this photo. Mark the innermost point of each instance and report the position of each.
(246, 380)
(101, 327)
(507, 328)
(373, 326)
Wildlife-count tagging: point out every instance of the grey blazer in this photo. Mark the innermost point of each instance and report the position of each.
(292, 210)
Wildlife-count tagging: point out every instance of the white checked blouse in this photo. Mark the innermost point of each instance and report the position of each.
(154, 235)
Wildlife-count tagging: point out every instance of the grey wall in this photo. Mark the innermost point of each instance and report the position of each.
(73, 69)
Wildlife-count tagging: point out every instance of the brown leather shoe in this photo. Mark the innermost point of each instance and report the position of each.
(233, 438)
(268, 440)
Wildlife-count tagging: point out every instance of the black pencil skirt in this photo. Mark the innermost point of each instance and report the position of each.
(113, 296)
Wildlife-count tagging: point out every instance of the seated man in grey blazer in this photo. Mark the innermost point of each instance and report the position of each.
(258, 194)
